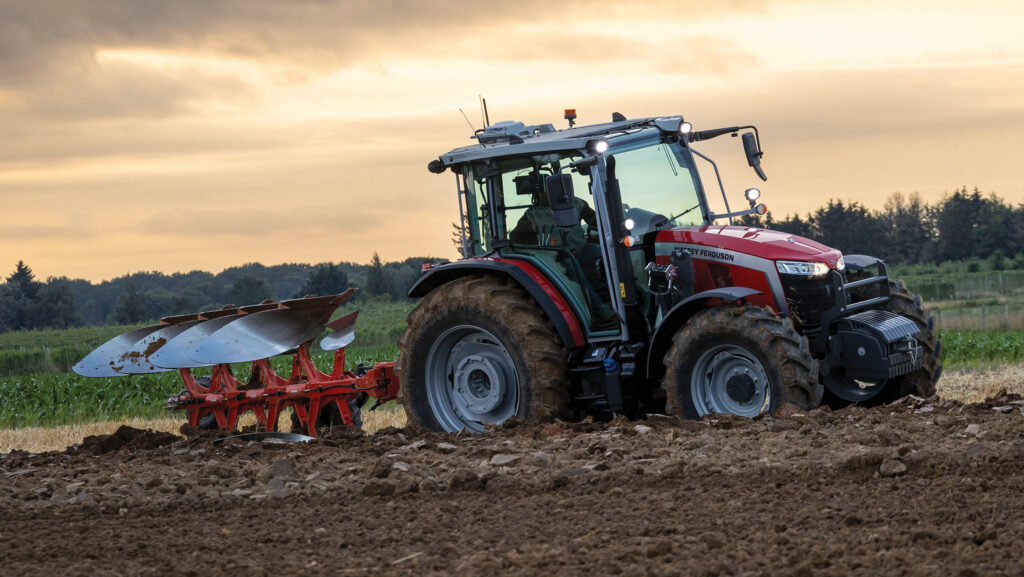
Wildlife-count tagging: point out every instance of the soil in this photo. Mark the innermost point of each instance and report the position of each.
(917, 488)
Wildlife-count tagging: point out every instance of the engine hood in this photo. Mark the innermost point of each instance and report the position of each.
(769, 244)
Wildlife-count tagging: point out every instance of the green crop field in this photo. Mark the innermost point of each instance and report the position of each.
(37, 387)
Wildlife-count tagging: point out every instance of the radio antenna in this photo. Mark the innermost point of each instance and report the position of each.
(471, 127)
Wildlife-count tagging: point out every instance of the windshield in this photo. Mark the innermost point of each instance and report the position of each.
(660, 186)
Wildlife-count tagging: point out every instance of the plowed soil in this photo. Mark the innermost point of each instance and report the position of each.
(919, 488)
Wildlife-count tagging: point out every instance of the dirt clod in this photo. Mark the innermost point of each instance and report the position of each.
(126, 437)
(892, 468)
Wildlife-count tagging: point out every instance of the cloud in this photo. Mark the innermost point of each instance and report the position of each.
(205, 133)
(36, 37)
(23, 232)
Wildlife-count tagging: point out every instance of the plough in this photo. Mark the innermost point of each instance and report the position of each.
(252, 334)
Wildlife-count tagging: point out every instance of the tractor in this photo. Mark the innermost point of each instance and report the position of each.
(596, 280)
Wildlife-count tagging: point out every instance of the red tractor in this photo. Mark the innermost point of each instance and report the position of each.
(596, 281)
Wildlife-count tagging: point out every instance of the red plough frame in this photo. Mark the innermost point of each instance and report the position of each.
(307, 390)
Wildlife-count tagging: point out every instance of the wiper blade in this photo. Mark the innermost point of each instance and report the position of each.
(680, 215)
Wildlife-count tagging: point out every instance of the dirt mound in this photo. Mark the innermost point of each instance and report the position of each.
(921, 487)
(126, 438)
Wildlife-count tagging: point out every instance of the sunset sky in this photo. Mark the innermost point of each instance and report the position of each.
(204, 134)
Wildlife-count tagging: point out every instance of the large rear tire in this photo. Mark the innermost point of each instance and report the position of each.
(740, 360)
(479, 350)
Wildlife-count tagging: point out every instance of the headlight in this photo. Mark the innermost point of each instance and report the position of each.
(801, 268)
(840, 264)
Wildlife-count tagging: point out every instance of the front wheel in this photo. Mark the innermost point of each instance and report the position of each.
(478, 350)
(843, 391)
(922, 381)
(739, 360)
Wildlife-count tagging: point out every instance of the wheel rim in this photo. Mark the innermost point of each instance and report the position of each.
(730, 379)
(470, 380)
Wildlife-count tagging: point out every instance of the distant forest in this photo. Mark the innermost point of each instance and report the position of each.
(963, 226)
(60, 302)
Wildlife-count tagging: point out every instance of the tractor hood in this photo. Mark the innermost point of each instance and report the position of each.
(758, 242)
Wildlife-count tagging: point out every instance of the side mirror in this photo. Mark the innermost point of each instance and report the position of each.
(562, 200)
(753, 153)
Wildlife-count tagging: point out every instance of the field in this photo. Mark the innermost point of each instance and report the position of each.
(920, 488)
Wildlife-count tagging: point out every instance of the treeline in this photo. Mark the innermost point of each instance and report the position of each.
(59, 302)
(963, 225)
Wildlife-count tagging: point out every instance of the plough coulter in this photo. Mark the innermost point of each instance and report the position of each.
(252, 334)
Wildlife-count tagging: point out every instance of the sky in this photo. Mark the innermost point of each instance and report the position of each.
(203, 134)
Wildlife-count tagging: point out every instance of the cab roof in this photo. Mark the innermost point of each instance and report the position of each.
(511, 138)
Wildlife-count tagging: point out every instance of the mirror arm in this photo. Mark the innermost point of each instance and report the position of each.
(737, 214)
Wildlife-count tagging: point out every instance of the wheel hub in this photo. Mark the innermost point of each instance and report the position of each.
(479, 384)
(471, 380)
(740, 387)
(730, 379)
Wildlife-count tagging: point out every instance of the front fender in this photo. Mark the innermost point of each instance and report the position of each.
(679, 315)
(855, 262)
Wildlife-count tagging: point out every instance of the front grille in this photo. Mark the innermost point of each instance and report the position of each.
(808, 298)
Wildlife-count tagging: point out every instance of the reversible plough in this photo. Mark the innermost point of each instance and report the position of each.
(252, 334)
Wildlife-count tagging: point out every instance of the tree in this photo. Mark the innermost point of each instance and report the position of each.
(54, 306)
(907, 226)
(956, 219)
(376, 278)
(851, 228)
(325, 279)
(23, 278)
(247, 290)
(130, 308)
(12, 308)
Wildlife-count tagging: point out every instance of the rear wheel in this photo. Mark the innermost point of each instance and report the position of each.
(739, 360)
(478, 350)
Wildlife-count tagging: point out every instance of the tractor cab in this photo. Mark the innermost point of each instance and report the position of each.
(620, 184)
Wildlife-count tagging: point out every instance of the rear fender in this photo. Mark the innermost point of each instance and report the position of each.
(679, 315)
(548, 297)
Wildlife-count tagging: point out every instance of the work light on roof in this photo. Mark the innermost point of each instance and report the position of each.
(598, 146)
